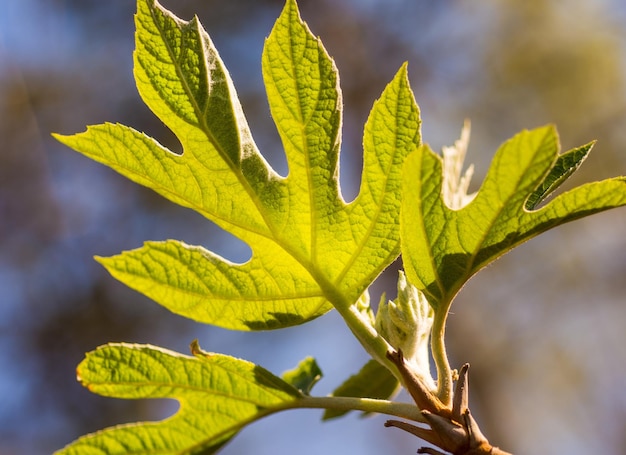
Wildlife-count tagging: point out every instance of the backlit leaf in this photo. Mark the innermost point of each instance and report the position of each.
(304, 376)
(372, 381)
(310, 249)
(442, 248)
(218, 395)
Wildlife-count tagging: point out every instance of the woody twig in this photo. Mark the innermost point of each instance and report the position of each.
(452, 428)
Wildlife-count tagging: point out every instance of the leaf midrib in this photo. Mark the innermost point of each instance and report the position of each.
(207, 131)
(471, 267)
(310, 264)
(275, 238)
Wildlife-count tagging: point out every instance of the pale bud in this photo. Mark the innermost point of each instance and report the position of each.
(455, 185)
(406, 324)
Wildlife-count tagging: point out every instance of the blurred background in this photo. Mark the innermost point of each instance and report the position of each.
(543, 329)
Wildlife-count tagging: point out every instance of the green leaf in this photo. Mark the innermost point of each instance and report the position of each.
(566, 164)
(372, 381)
(310, 249)
(304, 376)
(442, 248)
(218, 395)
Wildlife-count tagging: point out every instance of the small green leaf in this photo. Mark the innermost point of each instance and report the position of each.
(372, 381)
(566, 164)
(442, 248)
(218, 396)
(310, 249)
(304, 376)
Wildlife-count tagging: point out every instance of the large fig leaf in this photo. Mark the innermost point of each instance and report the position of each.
(310, 249)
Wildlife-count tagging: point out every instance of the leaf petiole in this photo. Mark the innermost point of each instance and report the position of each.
(403, 410)
(438, 349)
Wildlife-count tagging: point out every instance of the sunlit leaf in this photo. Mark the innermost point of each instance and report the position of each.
(310, 249)
(218, 395)
(566, 164)
(372, 381)
(304, 376)
(442, 248)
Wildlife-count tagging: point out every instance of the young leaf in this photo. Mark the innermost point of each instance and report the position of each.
(372, 381)
(310, 249)
(442, 248)
(566, 164)
(218, 395)
(304, 376)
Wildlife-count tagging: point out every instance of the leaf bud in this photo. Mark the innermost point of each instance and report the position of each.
(406, 323)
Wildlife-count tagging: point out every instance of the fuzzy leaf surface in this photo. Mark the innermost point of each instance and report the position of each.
(218, 395)
(310, 248)
(442, 248)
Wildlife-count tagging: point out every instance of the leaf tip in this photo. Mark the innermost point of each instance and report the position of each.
(62, 138)
(291, 8)
(102, 260)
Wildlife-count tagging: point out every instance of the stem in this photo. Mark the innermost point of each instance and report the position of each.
(402, 410)
(370, 339)
(438, 348)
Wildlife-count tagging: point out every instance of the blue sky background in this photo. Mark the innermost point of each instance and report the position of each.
(543, 328)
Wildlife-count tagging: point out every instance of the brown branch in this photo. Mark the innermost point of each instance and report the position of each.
(452, 429)
(422, 396)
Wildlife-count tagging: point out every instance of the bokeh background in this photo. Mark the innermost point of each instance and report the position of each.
(543, 328)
